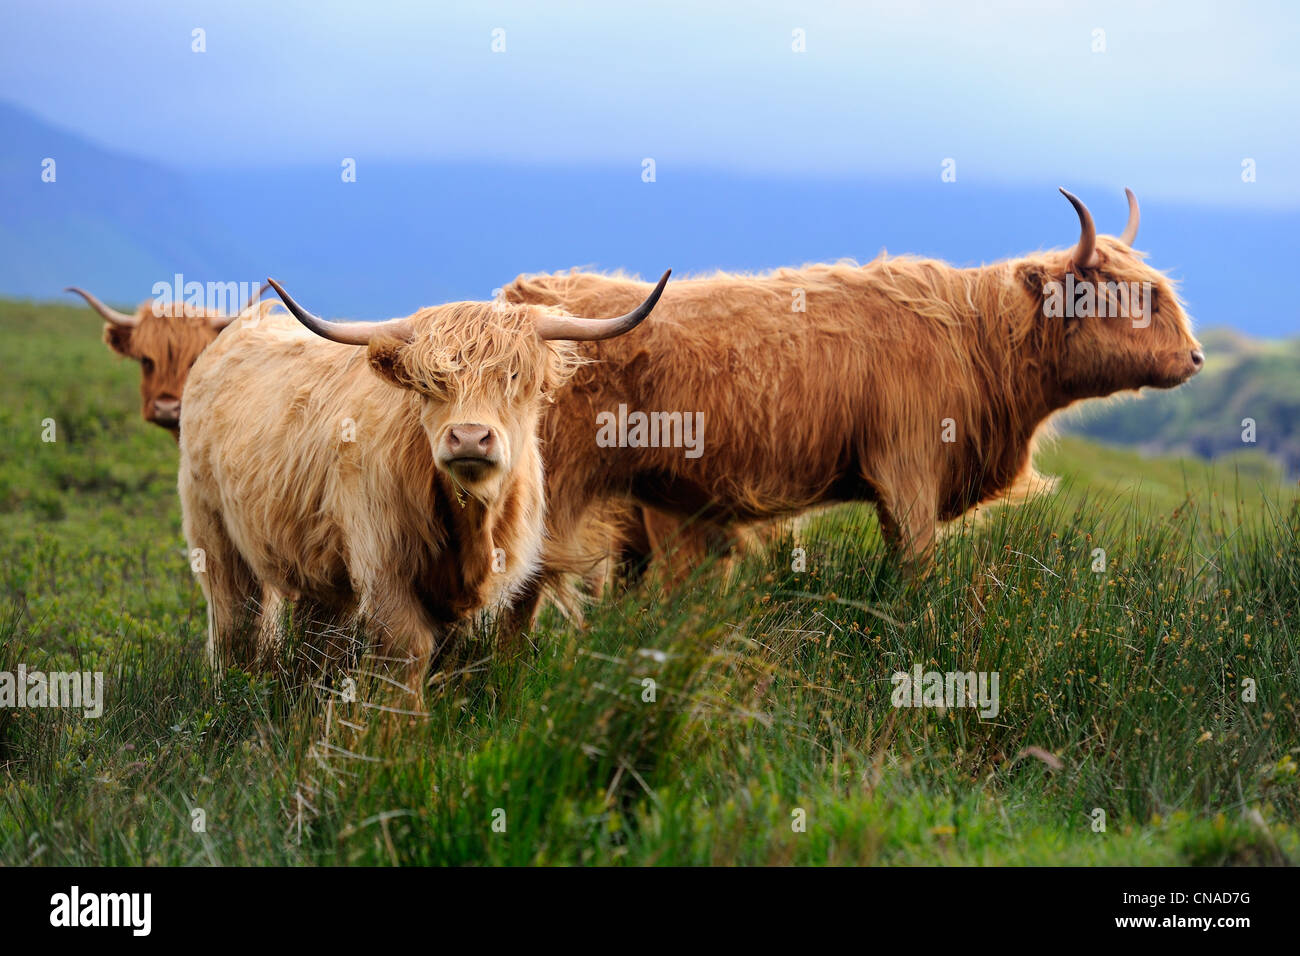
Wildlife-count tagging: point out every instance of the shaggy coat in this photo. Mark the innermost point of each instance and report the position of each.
(905, 382)
(309, 467)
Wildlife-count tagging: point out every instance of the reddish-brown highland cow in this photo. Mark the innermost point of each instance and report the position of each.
(166, 342)
(392, 473)
(906, 382)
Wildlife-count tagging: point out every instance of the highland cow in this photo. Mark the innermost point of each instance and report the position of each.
(906, 382)
(392, 472)
(166, 340)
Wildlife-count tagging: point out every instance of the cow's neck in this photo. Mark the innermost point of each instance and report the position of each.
(487, 549)
(460, 577)
(1016, 394)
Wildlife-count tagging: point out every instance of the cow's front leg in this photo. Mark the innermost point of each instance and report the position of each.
(270, 632)
(908, 509)
(516, 621)
(408, 639)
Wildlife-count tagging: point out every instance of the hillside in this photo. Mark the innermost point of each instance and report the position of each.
(1243, 378)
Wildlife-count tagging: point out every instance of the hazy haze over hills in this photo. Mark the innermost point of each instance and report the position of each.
(404, 236)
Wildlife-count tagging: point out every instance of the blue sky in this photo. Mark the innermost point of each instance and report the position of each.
(1011, 91)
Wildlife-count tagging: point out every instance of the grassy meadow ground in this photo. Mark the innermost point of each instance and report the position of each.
(1120, 691)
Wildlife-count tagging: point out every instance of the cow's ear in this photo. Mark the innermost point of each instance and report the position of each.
(561, 362)
(118, 339)
(387, 358)
(1046, 289)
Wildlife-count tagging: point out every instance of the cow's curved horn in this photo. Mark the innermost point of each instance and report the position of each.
(1134, 217)
(112, 315)
(1085, 253)
(347, 333)
(590, 330)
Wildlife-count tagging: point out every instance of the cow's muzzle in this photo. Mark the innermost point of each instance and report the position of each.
(165, 412)
(1180, 367)
(469, 451)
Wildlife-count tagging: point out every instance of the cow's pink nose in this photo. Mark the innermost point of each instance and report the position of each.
(470, 441)
(167, 409)
(1198, 358)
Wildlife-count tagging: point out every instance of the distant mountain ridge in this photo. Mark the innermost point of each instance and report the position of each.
(104, 222)
(408, 235)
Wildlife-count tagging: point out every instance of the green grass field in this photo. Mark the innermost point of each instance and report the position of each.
(768, 735)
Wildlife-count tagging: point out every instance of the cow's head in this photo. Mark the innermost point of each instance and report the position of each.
(165, 339)
(1122, 326)
(482, 371)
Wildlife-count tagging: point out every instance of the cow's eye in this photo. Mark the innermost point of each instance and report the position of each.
(147, 365)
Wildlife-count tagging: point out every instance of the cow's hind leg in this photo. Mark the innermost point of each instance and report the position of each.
(233, 594)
